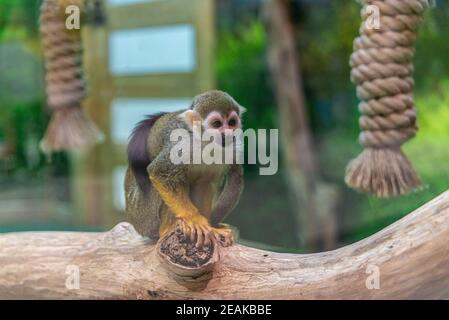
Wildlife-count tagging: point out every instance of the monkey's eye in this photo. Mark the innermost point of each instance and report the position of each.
(232, 122)
(216, 124)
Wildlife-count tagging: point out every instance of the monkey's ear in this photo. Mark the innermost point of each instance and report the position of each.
(190, 117)
(242, 110)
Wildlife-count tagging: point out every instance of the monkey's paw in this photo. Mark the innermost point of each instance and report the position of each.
(224, 235)
(197, 230)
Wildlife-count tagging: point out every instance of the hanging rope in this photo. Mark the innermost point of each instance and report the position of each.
(382, 69)
(69, 127)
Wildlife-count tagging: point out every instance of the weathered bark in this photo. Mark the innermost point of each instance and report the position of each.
(316, 199)
(412, 256)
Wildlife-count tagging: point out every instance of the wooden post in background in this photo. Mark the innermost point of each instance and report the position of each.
(91, 180)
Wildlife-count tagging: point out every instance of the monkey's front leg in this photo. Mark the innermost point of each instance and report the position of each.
(171, 183)
(189, 221)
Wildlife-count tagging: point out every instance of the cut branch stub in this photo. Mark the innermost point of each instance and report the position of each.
(181, 257)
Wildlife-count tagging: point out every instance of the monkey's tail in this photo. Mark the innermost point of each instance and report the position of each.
(138, 155)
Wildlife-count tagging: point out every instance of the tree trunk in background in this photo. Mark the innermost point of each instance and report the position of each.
(315, 201)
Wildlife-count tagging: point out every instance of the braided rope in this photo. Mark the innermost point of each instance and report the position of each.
(69, 127)
(381, 67)
(62, 50)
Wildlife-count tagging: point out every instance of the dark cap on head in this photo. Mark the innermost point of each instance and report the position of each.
(215, 100)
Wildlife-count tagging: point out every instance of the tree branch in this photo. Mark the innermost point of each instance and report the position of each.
(412, 256)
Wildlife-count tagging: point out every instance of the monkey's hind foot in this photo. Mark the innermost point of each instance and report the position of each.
(224, 235)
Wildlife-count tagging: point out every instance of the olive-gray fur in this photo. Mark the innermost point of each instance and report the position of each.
(144, 210)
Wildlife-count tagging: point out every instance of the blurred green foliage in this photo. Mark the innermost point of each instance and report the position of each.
(325, 36)
(362, 215)
(18, 18)
(23, 116)
(243, 72)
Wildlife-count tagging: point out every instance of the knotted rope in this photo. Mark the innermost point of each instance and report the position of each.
(69, 127)
(382, 69)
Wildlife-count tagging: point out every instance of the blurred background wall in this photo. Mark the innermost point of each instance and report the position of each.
(146, 56)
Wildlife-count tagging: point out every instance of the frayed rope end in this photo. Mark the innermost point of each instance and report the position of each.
(383, 172)
(69, 130)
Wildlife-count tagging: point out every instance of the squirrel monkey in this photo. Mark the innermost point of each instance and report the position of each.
(193, 198)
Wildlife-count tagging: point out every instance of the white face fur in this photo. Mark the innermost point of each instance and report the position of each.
(215, 132)
(216, 124)
(221, 123)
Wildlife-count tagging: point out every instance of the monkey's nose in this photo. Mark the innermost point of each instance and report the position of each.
(227, 139)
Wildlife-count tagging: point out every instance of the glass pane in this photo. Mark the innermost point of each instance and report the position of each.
(168, 49)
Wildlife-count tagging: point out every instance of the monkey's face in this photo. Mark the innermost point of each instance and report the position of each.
(222, 126)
